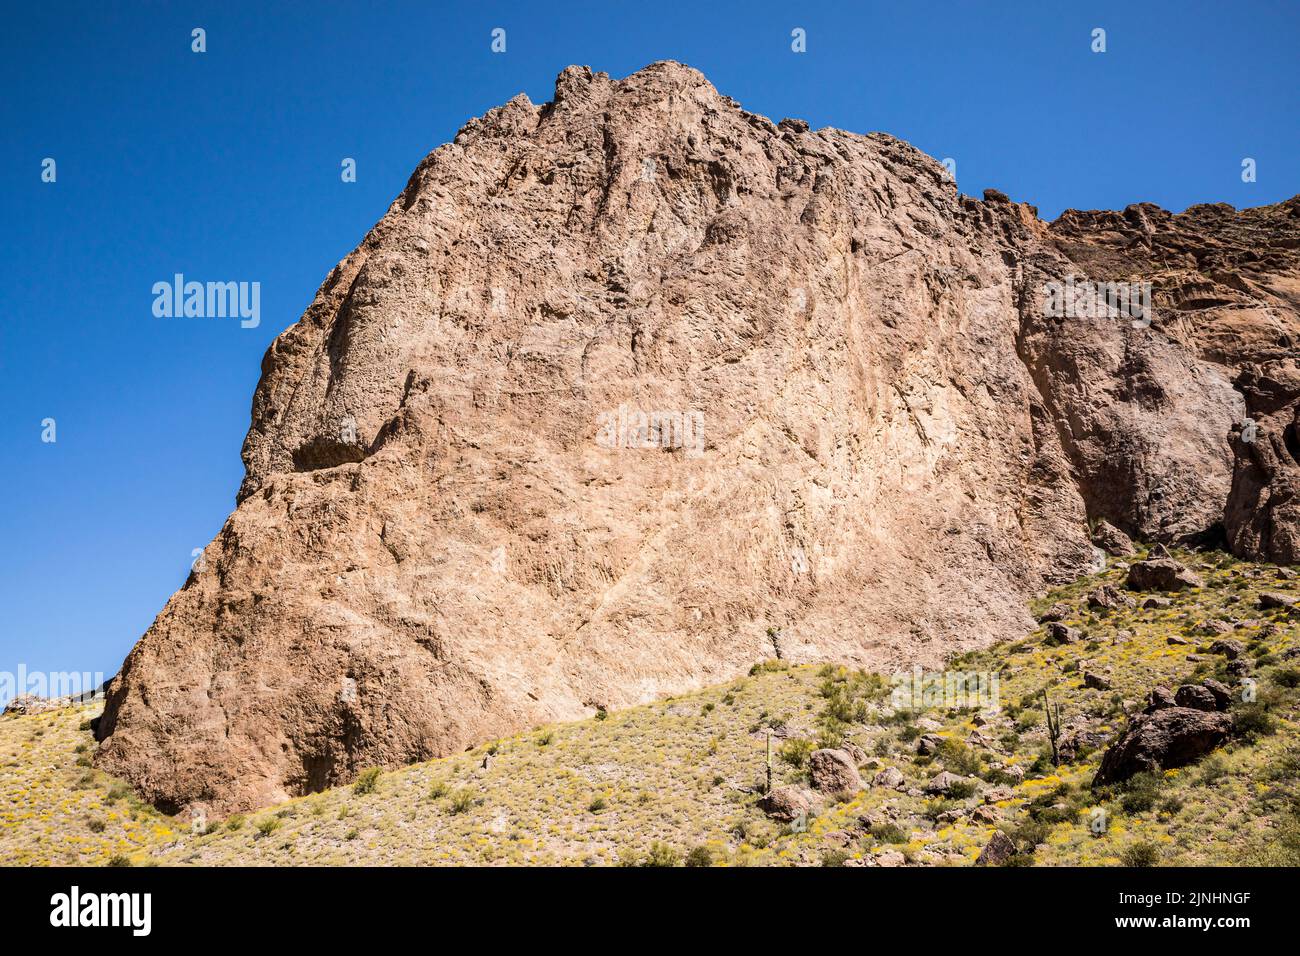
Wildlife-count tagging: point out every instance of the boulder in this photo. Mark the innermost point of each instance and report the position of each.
(1159, 698)
(997, 851)
(1155, 602)
(1162, 574)
(1110, 598)
(1275, 599)
(834, 772)
(787, 804)
(1222, 694)
(1096, 681)
(942, 782)
(890, 778)
(1111, 540)
(1196, 697)
(1058, 633)
(1231, 649)
(1167, 738)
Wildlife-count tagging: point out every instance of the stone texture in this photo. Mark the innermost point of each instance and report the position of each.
(833, 772)
(431, 548)
(1162, 574)
(1167, 738)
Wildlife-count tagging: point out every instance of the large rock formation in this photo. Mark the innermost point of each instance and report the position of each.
(863, 440)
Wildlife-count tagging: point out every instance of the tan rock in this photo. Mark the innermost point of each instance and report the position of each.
(455, 521)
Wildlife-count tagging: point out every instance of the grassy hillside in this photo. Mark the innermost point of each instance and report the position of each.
(679, 780)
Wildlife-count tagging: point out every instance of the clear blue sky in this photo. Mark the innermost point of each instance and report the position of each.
(225, 166)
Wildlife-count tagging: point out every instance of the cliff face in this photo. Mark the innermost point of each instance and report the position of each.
(632, 389)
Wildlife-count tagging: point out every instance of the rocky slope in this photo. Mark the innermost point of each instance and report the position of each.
(864, 440)
(683, 779)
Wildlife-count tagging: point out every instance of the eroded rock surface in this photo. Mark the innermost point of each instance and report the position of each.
(866, 442)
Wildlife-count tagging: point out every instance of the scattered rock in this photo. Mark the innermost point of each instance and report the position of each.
(1158, 698)
(1176, 639)
(1156, 602)
(1214, 628)
(786, 804)
(927, 745)
(1096, 681)
(1110, 598)
(998, 794)
(1231, 649)
(1058, 633)
(889, 778)
(997, 851)
(943, 782)
(1111, 540)
(1167, 738)
(890, 858)
(1274, 599)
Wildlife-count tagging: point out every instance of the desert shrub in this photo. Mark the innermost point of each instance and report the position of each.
(1212, 770)
(1252, 721)
(771, 666)
(352, 834)
(1286, 677)
(120, 859)
(1140, 793)
(268, 825)
(834, 857)
(959, 757)
(660, 855)
(1141, 854)
(235, 821)
(888, 833)
(437, 789)
(545, 737)
(796, 751)
(597, 805)
(96, 825)
(462, 800)
(367, 781)
(628, 856)
(841, 705)
(699, 856)
(962, 789)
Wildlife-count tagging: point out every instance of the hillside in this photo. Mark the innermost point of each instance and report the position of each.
(682, 778)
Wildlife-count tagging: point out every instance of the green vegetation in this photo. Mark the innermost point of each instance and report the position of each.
(678, 781)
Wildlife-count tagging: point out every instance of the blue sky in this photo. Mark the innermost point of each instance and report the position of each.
(225, 165)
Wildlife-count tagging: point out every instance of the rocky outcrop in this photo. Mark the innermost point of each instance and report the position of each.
(1163, 739)
(633, 388)
(1162, 574)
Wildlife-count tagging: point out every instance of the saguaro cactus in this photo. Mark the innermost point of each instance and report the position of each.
(1053, 727)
